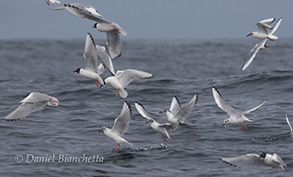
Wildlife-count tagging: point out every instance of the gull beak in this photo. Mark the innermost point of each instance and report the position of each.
(223, 125)
(146, 122)
(249, 34)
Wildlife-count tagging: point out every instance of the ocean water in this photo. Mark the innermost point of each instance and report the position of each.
(46, 142)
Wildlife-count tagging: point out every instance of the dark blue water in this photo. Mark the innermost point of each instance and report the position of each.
(181, 68)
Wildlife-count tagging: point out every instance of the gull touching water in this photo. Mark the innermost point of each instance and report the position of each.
(264, 160)
(177, 114)
(33, 102)
(265, 31)
(125, 77)
(161, 128)
(120, 126)
(112, 29)
(91, 57)
(235, 116)
(290, 125)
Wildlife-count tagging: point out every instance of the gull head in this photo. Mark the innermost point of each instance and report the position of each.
(77, 70)
(263, 155)
(103, 128)
(149, 121)
(163, 111)
(95, 25)
(250, 34)
(226, 121)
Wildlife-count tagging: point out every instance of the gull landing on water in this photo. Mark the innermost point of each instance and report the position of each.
(91, 57)
(178, 114)
(120, 126)
(33, 102)
(124, 78)
(52, 1)
(112, 29)
(235, 116)
(264, 160)
(161, 128)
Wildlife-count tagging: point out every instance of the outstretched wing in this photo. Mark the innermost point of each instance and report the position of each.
(140, 108)
(290, 125)
(101, 50)
(25, 109)
(255, 108)
(83, 11)
(253, 53)
(276, 26)
(175, 105)
(121, 123)
(127, 76)
(185, 111)
(113, 44)
(223, 105)
(90, 54)
(248, 160)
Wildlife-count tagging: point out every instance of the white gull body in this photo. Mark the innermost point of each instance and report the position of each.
(264, 160)
(161, 128)
(120, 126)
(265, 31)
(177, 114)
(124, 78)
(33, 102)
(91, 58)
(235, 116)
(112, 29)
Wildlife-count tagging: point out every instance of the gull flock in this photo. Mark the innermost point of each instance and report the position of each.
(176, 114)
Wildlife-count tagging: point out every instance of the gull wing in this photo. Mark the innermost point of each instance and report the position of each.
(248, 160)
(290, 125)
(185, 111)
(83, 11)
(90, 54)
(127, 76)
(169, 126)
(264, 25)
(253, 53)
(255, 108)
(101, 50)
(142, 111)
(277, 159)
(113, 44)
(276, 26)
(175, 105)
(223, 105)
(35, 97)
(121, 123)
(25, 109)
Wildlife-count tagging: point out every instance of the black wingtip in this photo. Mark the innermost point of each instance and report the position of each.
(129, 107)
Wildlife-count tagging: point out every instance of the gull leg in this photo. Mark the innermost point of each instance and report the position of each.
(116, 29)
(117, 147)
(53, 102)
(245, 126)
(47, 1)
(97, 83)
(240, 126)
(117, 92)
(164, 138)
